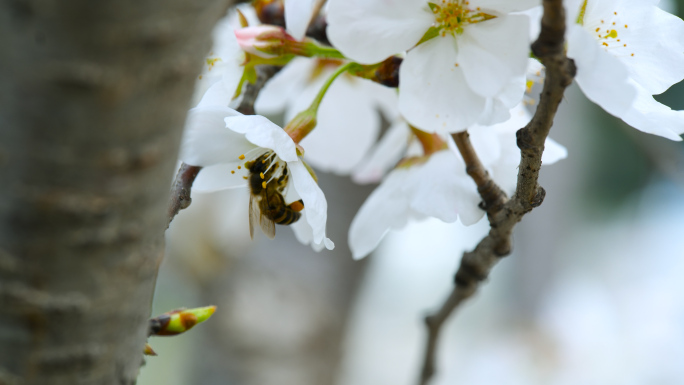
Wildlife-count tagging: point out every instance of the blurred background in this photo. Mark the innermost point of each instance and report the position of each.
(592, 294)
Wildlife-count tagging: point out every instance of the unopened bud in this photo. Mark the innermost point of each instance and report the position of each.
(148, 351)
(179, 321)
(266, 41)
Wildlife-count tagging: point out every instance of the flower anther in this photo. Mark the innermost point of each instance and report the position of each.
(452, 15)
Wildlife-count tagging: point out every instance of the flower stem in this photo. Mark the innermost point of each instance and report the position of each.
(302, 124)
(317, 100)
(325, 52)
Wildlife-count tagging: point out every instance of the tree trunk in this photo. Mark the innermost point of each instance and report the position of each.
(93, 96)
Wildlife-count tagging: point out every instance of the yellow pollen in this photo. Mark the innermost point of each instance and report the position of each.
(239, 167)
(261, 174)
(244, 177)
(604, 43)
(624, 45)
(263, 184)
(241, 157)
(632, 54)
(452, 16)
(602, 21)
(200, 77)
(232, 171)
(613, 23)
(615, 13)
(598, 29)
(625, 25)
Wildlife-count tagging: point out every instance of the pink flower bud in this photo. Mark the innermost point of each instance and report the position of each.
(266, 41)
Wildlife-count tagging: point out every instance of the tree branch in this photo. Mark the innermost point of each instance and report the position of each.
(503, 214)
(182, 185)
(492, 195)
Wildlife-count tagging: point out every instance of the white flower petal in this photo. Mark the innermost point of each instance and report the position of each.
(433, 93)
(278, 91)
(386, 99)
(218, 95)
(207, 141)
(505, 6)
(219, 177)
(653, 49)
(493, 52)
(442, 189)
(370, 31)
(264, 133)
(385, 155)
(601, 76)
(553, 152)
(314, 201)
(386, 208)
(223, 65)
(535, 15)
(497, 110)
(650, 116)
(304, 234)
(298, 14)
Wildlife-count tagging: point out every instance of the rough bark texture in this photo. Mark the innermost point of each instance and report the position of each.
(93, 97)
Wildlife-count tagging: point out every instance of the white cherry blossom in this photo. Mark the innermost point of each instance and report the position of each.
(436, 185)
(221, 140)
(467, 73)
(298, 15)
(341, 138)
(222, 68)
(626, 51)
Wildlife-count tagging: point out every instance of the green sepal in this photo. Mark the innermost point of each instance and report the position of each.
(431, 33)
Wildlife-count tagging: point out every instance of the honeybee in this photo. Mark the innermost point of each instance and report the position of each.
(266, 204)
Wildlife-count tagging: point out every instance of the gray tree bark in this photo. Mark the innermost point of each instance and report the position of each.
(93, 96)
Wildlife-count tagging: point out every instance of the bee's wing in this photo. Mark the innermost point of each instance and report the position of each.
(253, 214)
(267, 225)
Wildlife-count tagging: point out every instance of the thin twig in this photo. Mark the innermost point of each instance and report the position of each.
(181, 189)
(182, 185)
(249, 97)
(492, 195)
(503, 214)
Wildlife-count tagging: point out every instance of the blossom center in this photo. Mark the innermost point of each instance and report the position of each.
(451, 16)
(608, 29)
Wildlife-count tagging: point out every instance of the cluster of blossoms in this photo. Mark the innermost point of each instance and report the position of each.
(463, 65)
